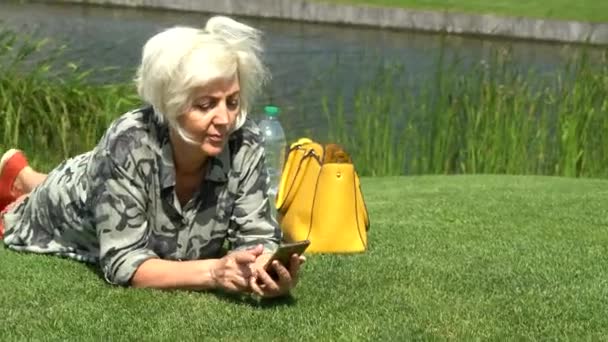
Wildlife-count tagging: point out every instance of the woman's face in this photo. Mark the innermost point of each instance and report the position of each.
(212, 114)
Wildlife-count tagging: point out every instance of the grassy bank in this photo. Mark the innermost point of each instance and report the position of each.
(582, 10)
(461, 258)
(491, 118)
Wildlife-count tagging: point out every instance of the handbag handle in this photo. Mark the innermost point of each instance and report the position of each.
(285, 195)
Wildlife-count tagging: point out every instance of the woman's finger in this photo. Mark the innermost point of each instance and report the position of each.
(230, 287)
(284, 275)
(244, 270)
(243, 257)
(294, 268)
(271, 285)
(240, 283)
(255, 288)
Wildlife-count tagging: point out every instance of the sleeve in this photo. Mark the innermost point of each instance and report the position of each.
(252, 219)
(119, 215)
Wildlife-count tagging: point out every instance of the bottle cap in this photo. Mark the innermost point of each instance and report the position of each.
(271, 110)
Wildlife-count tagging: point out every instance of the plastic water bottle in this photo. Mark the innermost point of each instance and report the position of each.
(274, 146)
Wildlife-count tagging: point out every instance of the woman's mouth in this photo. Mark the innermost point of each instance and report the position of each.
(215, 138)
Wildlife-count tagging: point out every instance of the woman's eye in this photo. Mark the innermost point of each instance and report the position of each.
(233, 103)
(203, 107)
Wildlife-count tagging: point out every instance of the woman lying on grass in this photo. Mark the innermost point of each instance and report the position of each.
(167, 184)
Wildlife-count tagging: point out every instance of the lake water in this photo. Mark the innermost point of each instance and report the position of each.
(308, 62)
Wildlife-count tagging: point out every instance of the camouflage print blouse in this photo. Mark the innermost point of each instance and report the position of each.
(116, 205)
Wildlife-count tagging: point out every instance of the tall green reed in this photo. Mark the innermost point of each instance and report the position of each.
(51, 117)
(492, 118)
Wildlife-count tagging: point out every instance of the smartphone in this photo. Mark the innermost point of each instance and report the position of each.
(283, 255)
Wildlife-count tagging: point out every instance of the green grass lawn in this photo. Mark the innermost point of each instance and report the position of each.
(451, 257)
(583, 10)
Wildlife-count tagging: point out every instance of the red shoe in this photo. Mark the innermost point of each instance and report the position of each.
(2, 225)
(12, 162)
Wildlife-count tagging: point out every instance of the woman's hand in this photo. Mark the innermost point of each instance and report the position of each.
(234, 271)
(262, 283)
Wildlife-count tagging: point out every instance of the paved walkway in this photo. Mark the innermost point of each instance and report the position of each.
(395, 18)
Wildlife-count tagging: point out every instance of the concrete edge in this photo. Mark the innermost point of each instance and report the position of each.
(393, 18)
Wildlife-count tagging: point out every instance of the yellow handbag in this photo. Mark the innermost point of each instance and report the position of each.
(320, 199)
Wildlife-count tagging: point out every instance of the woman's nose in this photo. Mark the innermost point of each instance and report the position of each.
(222, 115)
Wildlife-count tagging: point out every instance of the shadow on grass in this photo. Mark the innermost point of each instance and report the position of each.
(233, 298)
(254, 302)
(96, 270)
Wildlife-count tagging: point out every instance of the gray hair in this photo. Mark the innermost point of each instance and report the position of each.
(180, 59)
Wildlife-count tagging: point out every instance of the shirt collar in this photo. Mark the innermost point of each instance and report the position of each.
(219, 166)
(166, 165)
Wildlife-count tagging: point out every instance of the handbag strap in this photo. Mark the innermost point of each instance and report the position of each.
(286, 188)
(365, 211)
